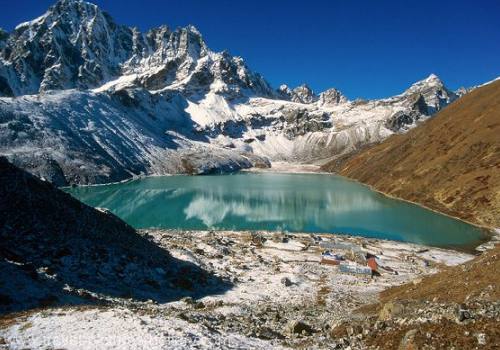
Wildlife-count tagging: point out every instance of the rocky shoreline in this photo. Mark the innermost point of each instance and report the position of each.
(281, 296)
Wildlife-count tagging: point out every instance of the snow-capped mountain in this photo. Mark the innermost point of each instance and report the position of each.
(86, 100)
(76, 45)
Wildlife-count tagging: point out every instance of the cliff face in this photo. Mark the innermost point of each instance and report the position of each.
(450, 163)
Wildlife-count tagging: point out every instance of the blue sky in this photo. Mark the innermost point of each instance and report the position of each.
(365, 48)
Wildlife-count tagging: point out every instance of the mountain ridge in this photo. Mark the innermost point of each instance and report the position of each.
(89, 101)
(82, 20)
(76, 45)
(455, 172)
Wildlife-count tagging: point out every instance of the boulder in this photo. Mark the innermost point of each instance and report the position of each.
(390, 310)
(299, 327)
(408, 341)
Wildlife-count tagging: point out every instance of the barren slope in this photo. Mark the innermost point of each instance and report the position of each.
(450, 163)
(56, 251)
(462, 301)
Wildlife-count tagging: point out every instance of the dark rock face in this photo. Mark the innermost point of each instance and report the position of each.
(299, 327)
(402, 119)
(43, 166)
(55, 250)
(300, 122)
(5, 89)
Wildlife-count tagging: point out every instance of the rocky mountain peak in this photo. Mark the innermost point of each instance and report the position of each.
(68, 15)
(303, 94)
(434, 92)
(191, 42)
(462, 91)
(73, 45)
(284, 88)
(433, 78)
(331, 97)
(76, 45)
(432, 81)
(75, 6)
(284, 92)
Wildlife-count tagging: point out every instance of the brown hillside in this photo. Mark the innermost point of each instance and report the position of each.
(476, 279)
(450, 163)
(472, 286)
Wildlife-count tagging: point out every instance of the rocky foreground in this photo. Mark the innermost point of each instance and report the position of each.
(278, 295)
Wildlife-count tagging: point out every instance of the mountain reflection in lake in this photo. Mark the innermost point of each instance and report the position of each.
(291, 202)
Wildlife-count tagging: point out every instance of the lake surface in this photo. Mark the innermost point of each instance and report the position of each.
(269, 201)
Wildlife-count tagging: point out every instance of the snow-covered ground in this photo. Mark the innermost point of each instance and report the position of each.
(286, 167)
(276, 279)
(119, 328)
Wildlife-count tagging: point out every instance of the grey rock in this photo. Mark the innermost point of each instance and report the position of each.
(188, 300)
(390, 310)
(331, 97)
(462, 313)
(481, 338)
(407, 343)
(286, 282)
(199, 305)
(303, 94)
(267, 333)
(299, 327)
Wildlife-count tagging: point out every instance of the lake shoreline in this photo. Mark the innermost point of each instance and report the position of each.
(492, 234)
(287, 168)
(329, 193)
(281, 296)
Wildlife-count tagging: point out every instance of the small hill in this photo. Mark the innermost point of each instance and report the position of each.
(457, 308)
(450, 163)
(476, 279)
(55, 251)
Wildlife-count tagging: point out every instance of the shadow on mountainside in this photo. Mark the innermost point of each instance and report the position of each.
(55, 251)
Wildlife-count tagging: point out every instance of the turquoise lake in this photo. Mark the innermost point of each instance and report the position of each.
(276, 202)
